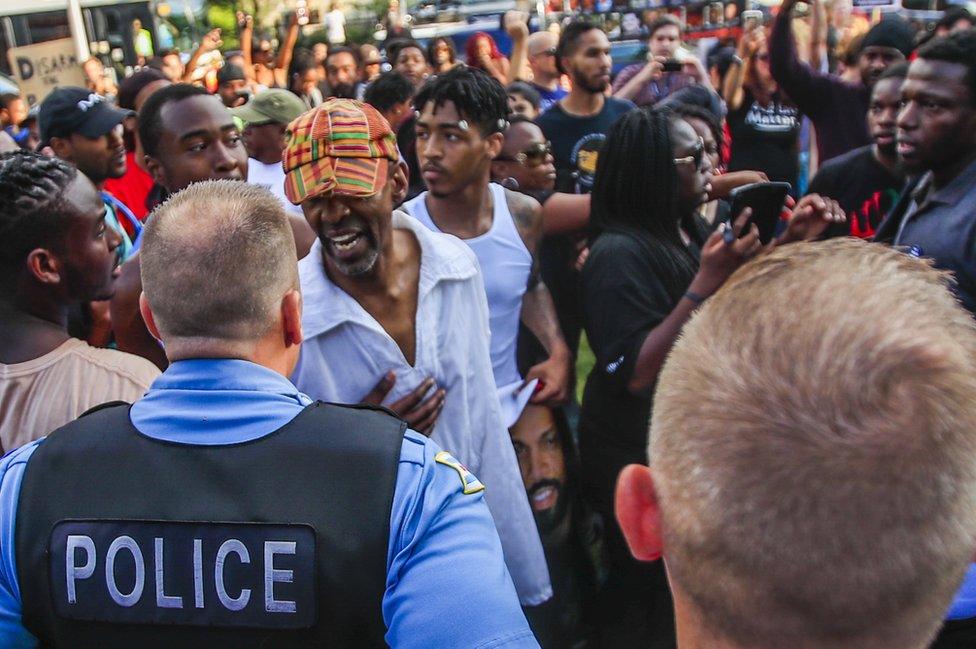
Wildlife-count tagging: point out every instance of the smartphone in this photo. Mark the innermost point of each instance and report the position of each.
(672, 65)
(751, 19)
(766, 201)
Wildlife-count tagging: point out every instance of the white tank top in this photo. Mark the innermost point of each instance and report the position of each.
(505, 266)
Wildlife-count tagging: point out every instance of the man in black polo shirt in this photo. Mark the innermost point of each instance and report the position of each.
(937, 138)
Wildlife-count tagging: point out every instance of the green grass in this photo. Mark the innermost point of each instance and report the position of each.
(584, 363)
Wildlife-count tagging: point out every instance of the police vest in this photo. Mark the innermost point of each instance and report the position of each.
(127, 541)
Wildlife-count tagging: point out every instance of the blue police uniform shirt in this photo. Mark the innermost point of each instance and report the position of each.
(446, 581)
(964, 605)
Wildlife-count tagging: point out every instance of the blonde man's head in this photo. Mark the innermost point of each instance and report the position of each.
(813, 450)
(216, 260)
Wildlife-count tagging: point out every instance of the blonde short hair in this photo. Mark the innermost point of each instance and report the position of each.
(217, 258)
(813, 444)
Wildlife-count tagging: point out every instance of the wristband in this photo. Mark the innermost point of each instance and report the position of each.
(737, 59)
(694, 297)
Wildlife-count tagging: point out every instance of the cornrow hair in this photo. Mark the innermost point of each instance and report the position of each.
(150, 117)
(478, 97)
(699, 112)
(32, 205)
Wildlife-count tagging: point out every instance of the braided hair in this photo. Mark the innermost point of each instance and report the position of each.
(478, 97)
(32, 205)
(636, 184)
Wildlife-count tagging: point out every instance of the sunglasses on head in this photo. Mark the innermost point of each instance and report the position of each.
(533, 156)
(697, 156)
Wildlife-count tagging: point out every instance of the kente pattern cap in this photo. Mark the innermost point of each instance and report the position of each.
(339, 147)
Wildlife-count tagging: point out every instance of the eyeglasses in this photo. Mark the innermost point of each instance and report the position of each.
(550, 52)
(533, 156)
(697, 156)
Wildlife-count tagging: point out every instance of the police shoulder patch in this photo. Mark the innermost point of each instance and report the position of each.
(469, 483)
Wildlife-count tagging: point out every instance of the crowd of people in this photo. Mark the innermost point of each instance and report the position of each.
(322, 310)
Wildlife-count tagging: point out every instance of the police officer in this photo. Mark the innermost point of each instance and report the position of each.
(225, 509)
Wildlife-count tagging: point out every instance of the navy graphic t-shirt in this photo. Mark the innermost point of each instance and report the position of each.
(576, 142)
(765, 138)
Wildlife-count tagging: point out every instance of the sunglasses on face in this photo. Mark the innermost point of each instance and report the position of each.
(550, 52)
(533, 156)
(697, 156)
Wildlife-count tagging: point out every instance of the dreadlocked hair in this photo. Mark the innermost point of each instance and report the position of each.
(478, 97)
(636, 184)
(32, 205)
(695, 111)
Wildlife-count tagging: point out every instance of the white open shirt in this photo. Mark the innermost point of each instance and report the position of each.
(346, 352)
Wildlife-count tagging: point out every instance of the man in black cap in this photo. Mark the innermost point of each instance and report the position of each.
(85, 129)
(836, 107)
(232, 86)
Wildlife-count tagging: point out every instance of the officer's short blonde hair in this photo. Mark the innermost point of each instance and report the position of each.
(216, 260)
(813, 444)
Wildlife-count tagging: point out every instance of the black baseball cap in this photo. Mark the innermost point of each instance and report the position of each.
(70, 110)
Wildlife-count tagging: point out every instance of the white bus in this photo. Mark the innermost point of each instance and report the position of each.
(107, 25)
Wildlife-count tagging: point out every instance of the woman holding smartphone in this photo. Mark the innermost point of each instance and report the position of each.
(650, 265)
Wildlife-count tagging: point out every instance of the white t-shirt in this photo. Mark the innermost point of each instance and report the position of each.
(272, 178)
(335, 27)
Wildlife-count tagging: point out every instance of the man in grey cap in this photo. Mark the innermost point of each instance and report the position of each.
(85, 129)
(266, 117)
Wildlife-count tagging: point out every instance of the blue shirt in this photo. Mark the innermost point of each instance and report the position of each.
(549, 97)
(117, 212)
(446, 582)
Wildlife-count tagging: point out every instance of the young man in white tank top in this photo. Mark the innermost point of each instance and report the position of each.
(459, 132)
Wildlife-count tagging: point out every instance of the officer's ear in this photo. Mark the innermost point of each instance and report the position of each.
(291, 318)
(639, 513)
(147, 316)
